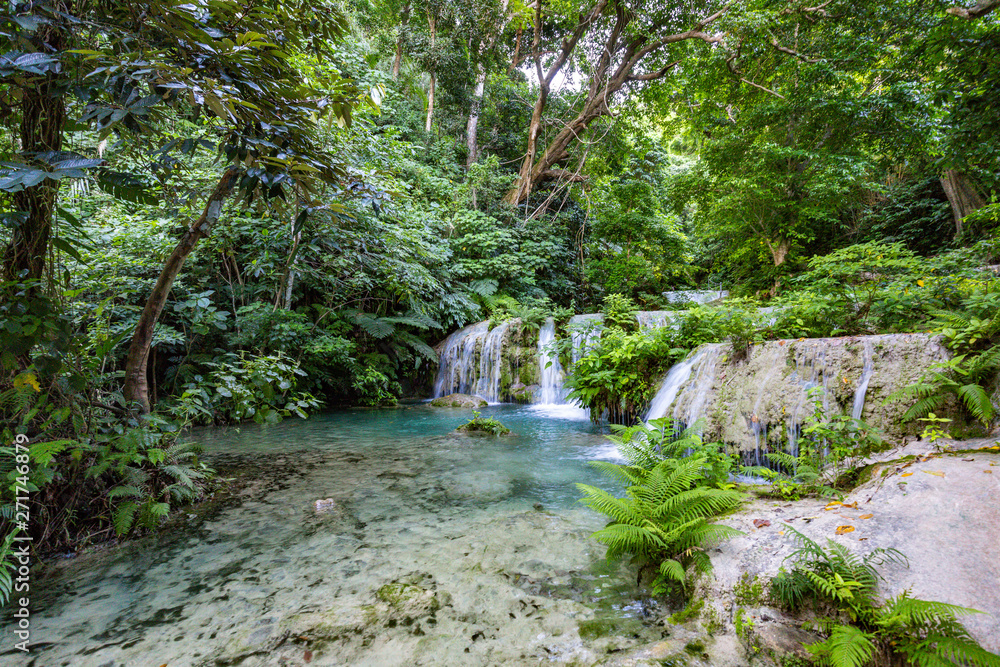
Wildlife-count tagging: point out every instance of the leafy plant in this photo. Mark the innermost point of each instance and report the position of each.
(861, 631)
(244, 386)
(153, 472)
(663, 520)
(962, 377)
(479, 424)
(619, 312)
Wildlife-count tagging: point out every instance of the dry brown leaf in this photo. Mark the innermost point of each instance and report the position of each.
(866, 516)
(936, 473)
(862, 539)
(761, 523)
(852, 506)
(967, 460)
(988, 472)
(844, 529)
(308, 656)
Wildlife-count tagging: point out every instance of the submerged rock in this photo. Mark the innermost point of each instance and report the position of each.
(459, 401)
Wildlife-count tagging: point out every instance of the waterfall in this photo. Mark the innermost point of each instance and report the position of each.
(695, 395)
(654, 319)
(866, 376)
(678, 375)
(456, 363)
(470, 362)
(488, 384)
(551, 373)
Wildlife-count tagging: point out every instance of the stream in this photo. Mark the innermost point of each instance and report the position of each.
(427, 548)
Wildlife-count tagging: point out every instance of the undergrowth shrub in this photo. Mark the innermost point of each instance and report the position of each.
(860, 630)
(663, 521)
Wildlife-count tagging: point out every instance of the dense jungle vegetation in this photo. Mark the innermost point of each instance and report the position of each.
(221, 211)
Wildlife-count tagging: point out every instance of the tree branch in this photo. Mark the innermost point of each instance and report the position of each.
(979, 10)
(652, 75)
(785, 49)
(766, 90)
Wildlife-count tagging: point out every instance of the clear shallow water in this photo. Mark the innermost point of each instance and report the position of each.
(428, 547)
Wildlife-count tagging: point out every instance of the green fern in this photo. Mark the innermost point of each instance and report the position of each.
(847, 646)
(963, 377)
(663, 517)
(902, 630)
(6, 567)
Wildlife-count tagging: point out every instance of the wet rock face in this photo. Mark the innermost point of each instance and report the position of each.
(459, 401)
(758, 401)
(939, 510)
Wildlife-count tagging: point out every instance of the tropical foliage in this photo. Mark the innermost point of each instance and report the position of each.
(663, 521)
(861, 630)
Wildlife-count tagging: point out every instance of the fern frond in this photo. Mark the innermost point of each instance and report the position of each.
(620, 510)
(925, 405)
(977, 402)
(672, 569)
(627, 475)
(126, 490)
(847, 646)
(623, 539)
(124, 516)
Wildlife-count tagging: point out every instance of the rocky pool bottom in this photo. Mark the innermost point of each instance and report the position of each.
(383, 538)
(362, 538)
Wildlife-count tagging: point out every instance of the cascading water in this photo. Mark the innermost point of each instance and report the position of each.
(654, 319)
(691, 403)
(470, 362)
(457, 360)
(866, 376)
(551, 374)
(488, 384)
(676, 378)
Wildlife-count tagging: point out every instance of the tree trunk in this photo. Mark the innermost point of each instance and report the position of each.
(622, 51)
(398, 60)
(429, 123)
(961, 195)
(136, 385)
(43, 117)
(779, 250)
(515, 62)
(471, 129)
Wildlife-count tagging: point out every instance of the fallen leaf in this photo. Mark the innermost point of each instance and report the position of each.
(844, 529)
(781, 532)
(862, 539)
(988, 472)
(866, 516)
(853, 505)
(833, 505)
(906, 474)
(761, 523)
(936, 473)
(308, 656)
(967, 460)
